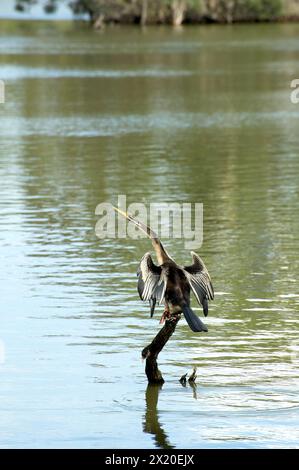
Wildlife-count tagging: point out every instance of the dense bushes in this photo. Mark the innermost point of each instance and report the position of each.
(175, 11)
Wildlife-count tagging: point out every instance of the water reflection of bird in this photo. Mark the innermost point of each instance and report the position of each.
(170, 283)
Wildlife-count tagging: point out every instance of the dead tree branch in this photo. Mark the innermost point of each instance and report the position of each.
(150, 353)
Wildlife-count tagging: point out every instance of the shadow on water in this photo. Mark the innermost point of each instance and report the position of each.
(151, 424)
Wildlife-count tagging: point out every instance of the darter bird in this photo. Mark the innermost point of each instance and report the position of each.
(170, 283)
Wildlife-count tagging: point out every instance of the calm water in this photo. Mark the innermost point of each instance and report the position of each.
(196, 114)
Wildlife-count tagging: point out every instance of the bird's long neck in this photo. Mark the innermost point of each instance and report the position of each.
(161, 253)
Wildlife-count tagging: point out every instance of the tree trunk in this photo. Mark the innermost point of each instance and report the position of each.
(143, 19)
(98, 22)
(178, 8)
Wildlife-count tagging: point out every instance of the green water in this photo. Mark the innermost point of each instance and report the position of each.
(199, 114)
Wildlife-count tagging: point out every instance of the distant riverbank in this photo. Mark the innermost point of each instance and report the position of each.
(155, 12)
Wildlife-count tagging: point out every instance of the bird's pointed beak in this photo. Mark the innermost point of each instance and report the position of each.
(139, 224)
(125, 214)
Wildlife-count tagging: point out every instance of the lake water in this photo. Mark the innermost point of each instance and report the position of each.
(200, 114)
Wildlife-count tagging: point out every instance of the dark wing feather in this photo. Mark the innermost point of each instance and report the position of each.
(152, 303)
(200, 281)
(151, 281)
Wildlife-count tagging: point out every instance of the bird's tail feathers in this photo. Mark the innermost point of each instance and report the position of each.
(193, 321)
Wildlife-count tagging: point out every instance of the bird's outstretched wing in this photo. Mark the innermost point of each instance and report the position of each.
(151, 281)
(200, 281)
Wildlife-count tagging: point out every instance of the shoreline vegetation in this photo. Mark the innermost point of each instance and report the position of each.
(174, 12)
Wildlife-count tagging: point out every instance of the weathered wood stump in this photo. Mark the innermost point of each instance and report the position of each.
(150, 353)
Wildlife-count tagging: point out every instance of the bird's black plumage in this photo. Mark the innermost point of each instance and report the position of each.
(171, 283)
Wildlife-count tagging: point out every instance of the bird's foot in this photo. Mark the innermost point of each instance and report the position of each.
(165, 316)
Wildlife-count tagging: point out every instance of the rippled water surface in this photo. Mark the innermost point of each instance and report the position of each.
(195, 114)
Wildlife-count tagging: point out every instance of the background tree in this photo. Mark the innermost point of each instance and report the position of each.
(173, 12)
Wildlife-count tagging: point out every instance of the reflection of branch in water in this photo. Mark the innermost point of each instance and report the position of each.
(191, 381)
(151, 423)
(193, 386)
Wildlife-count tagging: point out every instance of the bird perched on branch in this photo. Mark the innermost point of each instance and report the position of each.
(170, 283)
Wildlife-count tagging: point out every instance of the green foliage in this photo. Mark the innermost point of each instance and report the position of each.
(262, 9)
(23, 5)
(158, 11)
